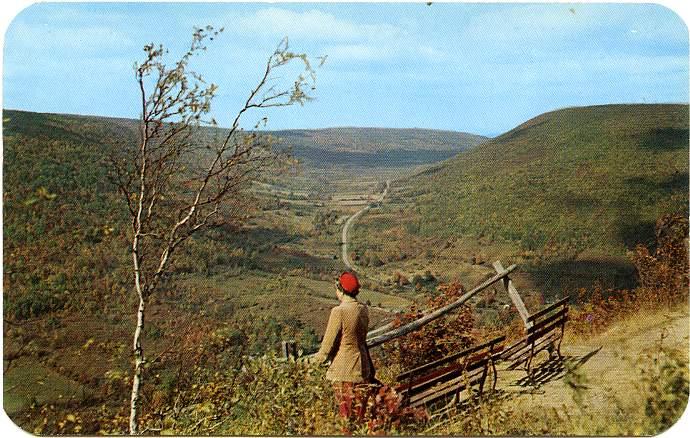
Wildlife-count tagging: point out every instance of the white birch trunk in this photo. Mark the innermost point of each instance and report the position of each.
(138, 371)
(137, 227)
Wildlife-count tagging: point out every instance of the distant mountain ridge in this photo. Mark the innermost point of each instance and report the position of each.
(364, 139)
(346, 146)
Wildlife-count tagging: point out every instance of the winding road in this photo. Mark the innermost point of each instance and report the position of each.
(351, 220)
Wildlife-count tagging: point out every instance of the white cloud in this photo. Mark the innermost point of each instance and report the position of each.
(314, 24)
(432, 53)
(97, 68)
(383, 52)
(343, 40)
(358, 52)
(71, 14)
(522, 22)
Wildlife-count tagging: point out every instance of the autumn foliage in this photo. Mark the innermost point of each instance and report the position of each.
(436, 339)
(386, 413)
(662, 277)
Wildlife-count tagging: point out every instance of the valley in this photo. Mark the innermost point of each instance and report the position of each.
(566, 196)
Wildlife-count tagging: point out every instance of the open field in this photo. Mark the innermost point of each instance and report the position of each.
(30, 382)
(257, 295)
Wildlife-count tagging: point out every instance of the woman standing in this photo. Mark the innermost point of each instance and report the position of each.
(344, 343)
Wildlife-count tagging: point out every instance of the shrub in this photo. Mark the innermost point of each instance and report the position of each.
(400, 279)
(375, 261)
(412, 227)
(436, 339)
(36, 302)
(665, 382)
(265, 396)
(386, 414)
(663, 276)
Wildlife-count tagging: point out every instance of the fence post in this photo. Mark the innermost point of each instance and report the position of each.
(514, 295)
(289, 349)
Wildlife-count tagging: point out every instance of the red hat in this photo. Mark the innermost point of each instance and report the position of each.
(349, 283)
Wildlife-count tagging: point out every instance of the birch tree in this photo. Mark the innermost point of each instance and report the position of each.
(177, 179)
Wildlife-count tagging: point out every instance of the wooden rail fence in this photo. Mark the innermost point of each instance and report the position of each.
(435, 380)
(389, 332)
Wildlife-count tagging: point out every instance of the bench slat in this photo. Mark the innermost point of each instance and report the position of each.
(431, 377)
(439, 391)
(514, 349)
(544, 330)
(449, 358)
(478, 361)
(428, 387)
(543, 312)
(538, 331)
(470, 368)
(546, 321)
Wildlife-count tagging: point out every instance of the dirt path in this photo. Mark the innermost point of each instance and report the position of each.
(608, 363)
(348, 226)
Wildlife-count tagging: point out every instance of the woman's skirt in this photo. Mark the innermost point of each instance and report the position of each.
(352, 398)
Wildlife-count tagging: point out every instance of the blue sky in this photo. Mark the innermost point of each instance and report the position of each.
(481, 68)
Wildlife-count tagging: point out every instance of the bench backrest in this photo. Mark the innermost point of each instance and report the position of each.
(439, 378)
(541, 328)
(547, 319)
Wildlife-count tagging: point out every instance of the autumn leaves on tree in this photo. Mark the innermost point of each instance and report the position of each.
(175, 182)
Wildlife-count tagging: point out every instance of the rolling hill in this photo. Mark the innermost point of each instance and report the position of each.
(573, 189)
(350, 147)
(599, 174)
(67, 294)
(351, 139)
(375, 147)
(65, 229)
(595, 178)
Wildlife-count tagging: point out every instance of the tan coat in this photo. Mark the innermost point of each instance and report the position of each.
(345, 343)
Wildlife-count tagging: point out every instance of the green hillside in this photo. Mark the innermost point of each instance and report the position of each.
(572, 189)
(67, 283)
(65, 231)
(598, 176)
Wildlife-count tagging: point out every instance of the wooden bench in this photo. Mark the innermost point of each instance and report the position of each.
(544, 332)
(449, 376)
